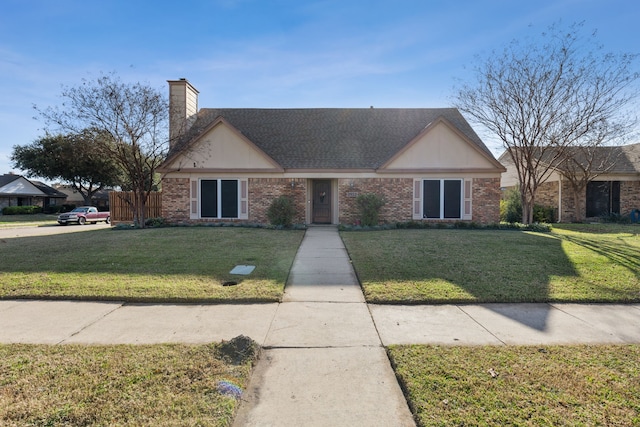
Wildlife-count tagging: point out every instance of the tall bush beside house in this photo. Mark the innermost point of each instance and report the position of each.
(369, 205)
(511, 206)
(511, 209)
(281, 212)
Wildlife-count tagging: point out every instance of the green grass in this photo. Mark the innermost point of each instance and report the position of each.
(166, 264)
(521, 386)
(116, 385)
(35, 220)
(578, 263)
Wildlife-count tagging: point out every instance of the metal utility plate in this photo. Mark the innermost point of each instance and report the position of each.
(242, 269)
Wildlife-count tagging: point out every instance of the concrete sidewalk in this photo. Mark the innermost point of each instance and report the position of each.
(61, 322)
(323, 362)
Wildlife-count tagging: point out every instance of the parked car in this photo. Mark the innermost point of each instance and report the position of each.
(84, 214)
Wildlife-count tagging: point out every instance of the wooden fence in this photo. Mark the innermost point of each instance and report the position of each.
(121, 210)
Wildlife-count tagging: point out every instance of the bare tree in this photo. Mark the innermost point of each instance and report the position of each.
(582, 164)
(547, 95)
(134, 115)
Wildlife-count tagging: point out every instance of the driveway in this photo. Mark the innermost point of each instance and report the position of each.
(7, 233)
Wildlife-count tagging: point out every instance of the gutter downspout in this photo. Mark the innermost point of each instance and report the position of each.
(559, 198)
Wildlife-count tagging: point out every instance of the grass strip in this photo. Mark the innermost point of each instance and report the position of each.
(35, 220)
(181, 264)
(519, 386)
(116, 385)
(570, 264)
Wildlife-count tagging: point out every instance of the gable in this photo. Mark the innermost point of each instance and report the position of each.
(329, 138)
(440, 147)
(20, 187)
(222, 147)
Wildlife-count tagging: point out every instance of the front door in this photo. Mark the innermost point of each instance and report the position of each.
(321, 202)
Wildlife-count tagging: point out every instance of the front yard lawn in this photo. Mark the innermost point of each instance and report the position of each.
(542, 385)
(35, 220)
(116, 385)
(178, 264)
(573, 263)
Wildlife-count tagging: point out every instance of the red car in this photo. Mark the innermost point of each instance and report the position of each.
(84, 214)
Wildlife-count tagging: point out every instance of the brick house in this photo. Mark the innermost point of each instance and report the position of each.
(16, 190)
(614, 187)
(230, 164)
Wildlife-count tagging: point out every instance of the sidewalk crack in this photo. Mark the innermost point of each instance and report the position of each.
(117, 307)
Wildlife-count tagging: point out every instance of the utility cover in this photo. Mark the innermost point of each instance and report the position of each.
(242, 269)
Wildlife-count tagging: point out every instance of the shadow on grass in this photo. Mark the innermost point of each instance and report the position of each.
(184, 262)
(618, 251)
(461, 267)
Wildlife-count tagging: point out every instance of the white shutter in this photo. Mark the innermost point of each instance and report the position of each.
(466, 198)
(243, 212)
(193, 199)
(417, 198)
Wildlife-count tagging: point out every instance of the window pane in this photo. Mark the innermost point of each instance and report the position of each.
(598, 198)
(615, 197)
(431, 198)
(229, 190)
(209, 198)
(452, 198)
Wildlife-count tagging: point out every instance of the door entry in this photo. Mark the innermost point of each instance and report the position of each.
(321, 202)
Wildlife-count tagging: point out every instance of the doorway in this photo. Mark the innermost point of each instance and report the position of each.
(321, 209)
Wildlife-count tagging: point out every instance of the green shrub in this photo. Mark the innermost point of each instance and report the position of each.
(615, 218)
(281, 212)
(21, 210)
(511, 209)
(543, 214)
(369, 205)
(52, 209)
(155, 222)
(511, 206)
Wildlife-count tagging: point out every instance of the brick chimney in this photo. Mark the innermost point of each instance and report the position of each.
(183, 107)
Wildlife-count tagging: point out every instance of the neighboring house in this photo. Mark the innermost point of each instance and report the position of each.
(100, 198)
(230, 164)
(614, 189)
(16, 190)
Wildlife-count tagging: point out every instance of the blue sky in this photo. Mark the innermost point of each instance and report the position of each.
(280, 53)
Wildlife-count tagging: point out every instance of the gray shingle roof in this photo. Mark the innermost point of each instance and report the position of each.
(49, 191)
(622, 159)
(330, 138)
(7, 178)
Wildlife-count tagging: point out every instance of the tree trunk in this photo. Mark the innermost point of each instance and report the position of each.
(527, 208)
(579, 210)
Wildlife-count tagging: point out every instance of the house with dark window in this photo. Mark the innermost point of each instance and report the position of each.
(16, 190)
(613, 186)
(229, 164)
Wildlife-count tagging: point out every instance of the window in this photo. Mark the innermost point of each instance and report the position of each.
(603, 198)
(442, 198)
(219, 198)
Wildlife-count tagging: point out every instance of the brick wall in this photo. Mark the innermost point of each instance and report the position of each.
(547, 194)
(262, 191)
(486, 200)
(175, 199)
(629, 196)
(396, 191)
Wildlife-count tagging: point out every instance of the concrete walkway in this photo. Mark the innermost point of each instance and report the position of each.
(323, 361)
(324, 364)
